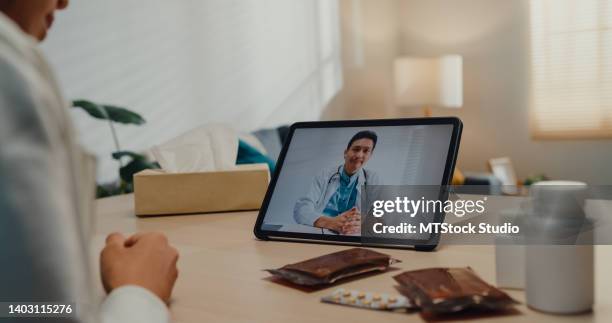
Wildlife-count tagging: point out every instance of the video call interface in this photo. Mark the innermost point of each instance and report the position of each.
(326, 170)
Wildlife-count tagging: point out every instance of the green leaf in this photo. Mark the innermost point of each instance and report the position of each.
(123, 115)
(101, 192)
(107, 191)
(135, 166)
(91, 108)
(109, 112)
(138, 163)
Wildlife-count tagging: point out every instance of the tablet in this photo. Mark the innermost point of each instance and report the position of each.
(325, 170)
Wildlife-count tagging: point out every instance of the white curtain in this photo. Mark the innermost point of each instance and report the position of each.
(571, 42)
(251, 63)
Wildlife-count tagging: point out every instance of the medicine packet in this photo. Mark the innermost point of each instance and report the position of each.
(330, 268)
(451, 290)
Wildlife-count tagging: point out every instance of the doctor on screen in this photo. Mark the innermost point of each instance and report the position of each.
(334, 198)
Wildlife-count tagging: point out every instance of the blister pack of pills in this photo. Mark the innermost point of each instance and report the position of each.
(368, 300)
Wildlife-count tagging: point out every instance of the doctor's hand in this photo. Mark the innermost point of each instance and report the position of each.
(145, 260)
(348, 222)
(351, 228)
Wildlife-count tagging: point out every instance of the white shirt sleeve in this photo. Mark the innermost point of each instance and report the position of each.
(133, 304)
(305, 210)
(39, 214)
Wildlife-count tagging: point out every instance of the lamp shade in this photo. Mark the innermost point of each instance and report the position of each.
(429, 82)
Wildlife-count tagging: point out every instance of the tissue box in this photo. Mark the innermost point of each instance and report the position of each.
(159, 193)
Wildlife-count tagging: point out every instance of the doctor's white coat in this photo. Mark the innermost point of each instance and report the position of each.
(310, 207)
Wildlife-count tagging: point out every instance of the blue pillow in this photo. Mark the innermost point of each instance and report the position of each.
(248, 154)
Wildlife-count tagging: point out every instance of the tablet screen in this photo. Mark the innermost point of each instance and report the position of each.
(325, 170)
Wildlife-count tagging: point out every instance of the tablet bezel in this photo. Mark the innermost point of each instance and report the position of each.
(428, 244)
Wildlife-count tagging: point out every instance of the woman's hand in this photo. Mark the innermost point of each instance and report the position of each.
(144, 259)
(348, 222)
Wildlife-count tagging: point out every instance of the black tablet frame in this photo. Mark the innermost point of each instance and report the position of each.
(422, 245)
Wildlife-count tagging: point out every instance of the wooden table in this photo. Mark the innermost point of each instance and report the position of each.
(221, 277)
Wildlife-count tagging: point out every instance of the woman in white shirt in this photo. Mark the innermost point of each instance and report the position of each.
(46, 193)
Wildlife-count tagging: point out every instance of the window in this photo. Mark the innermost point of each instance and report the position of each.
(571, 64)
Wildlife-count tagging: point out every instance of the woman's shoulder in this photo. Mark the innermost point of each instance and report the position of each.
(14, 43)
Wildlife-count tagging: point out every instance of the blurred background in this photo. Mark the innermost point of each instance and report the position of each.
(532, 81)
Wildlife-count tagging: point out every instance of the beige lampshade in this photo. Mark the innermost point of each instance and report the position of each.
(429, 82)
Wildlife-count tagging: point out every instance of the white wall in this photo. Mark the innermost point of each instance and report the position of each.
(370, 32)
(493, 38)
(251, 63)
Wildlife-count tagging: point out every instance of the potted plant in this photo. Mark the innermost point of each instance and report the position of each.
(129, 162)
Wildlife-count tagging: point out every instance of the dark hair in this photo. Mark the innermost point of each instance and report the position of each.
(367, 134)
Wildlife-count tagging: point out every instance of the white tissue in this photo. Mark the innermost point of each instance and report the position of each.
(207, 148)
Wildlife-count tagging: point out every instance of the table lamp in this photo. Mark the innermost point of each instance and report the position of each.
(429, 82)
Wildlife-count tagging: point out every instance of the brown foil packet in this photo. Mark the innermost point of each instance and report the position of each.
(451, 290)
(330, 268)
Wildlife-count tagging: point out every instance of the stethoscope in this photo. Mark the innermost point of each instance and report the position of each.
(337, 173)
